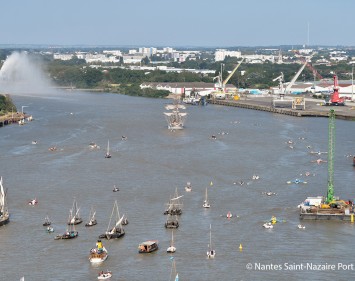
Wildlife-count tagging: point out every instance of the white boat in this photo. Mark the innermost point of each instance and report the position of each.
(4, 213)
(115, 188)
(98, 254)
(75, 218)
(174, 207)
(114, 228)
(171, 248)
(33, 202)
(268, 225)
(175, 117)
(188, 187)
(104, 275)
(108, 155)
(92, 220)
(211, 252)
(206, 203)
(50, 229)
(301, 226)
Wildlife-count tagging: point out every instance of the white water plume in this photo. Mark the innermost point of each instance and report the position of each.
(22, 74)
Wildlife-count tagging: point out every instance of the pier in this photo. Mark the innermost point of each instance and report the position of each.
(17, 117)
(313, 107)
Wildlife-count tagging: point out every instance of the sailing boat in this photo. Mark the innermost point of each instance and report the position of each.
(71, 232)
(171, 248)
(47, 221)
(210, 253)
(108, 155)
(175, 117)
(172, 221)
(115, 231)
(174, 205)
(206, 203)
(4, 213)
(174, 276)
(76, 219)
(92, 220)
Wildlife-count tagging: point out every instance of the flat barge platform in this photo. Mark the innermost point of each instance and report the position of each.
(313, 107)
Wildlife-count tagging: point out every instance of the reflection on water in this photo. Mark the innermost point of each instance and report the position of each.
(147, 167)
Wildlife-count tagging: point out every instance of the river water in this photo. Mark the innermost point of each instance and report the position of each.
(148, 167)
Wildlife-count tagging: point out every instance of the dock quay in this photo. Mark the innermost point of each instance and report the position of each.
(313, 107)
(17, 117)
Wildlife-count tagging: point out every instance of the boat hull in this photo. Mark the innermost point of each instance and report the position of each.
(98, 258)
(4, 220)
(112, 236)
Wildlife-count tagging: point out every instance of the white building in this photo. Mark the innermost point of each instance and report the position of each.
(221, 54)
(63, 56)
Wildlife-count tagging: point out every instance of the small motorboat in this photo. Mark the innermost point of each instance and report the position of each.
(255, 177)
(115, 188)
(188, 187)
(268, 225)
(50, 229)
(104, 275)
(34, 142)
(269, 193)
(301, 226)
(296, 181)
(98, 254)
(229, 215)
(148, 246)
(33, 202)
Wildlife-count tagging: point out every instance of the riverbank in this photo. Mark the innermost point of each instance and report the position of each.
(313, 107)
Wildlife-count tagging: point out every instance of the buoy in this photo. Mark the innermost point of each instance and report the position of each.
(211, 183)
(240, 247)
(352, 218)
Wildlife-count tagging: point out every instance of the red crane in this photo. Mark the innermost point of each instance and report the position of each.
(335, 99)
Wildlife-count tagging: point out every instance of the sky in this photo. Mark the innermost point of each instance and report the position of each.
(200, 23)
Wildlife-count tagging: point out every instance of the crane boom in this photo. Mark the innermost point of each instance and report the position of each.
(231, 74)
(295, 78)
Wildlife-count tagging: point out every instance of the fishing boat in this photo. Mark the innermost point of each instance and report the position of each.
(206, 203)
(92, 220)
(172, 222)
(47, 222)
(70, 233)
(108, 155)
(211, 252)
(98, 254)
(75, 219)
(188, 187)
(148, 246)
(4, 213)
(114, 229)
(104, 275)
(175, 117)
(174, 206)
(174, 276)
(171, 248)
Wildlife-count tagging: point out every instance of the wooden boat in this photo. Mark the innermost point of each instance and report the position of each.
(108, 155)
(98, 254)
(148, 246)
(211, 252)
(71, 233)
(4, 213)
(104, 275)
(92, 220)
(114, 229)
(206, 203)
(47, 222)
(171, 248)
(172, 222)
(75, 219)
(174, 207)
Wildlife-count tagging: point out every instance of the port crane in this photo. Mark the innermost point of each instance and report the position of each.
(334, 98)
(221, 84)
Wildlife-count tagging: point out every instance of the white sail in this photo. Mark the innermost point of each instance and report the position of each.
(2, 195)
(113, 230)
(168, 113)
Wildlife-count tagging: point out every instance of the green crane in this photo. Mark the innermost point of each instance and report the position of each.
(331, 145)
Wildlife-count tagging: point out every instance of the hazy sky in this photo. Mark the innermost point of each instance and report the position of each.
(178, 22)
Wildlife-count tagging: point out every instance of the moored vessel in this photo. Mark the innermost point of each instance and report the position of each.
(4, 213)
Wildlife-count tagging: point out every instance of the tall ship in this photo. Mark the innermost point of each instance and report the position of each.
(4, 213)
(175, 115)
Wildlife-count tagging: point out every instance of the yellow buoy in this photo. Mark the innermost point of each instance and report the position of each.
(240, 247)
(352, 218)
(211, 183)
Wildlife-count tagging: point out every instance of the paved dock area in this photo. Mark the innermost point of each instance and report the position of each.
(313, 107)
